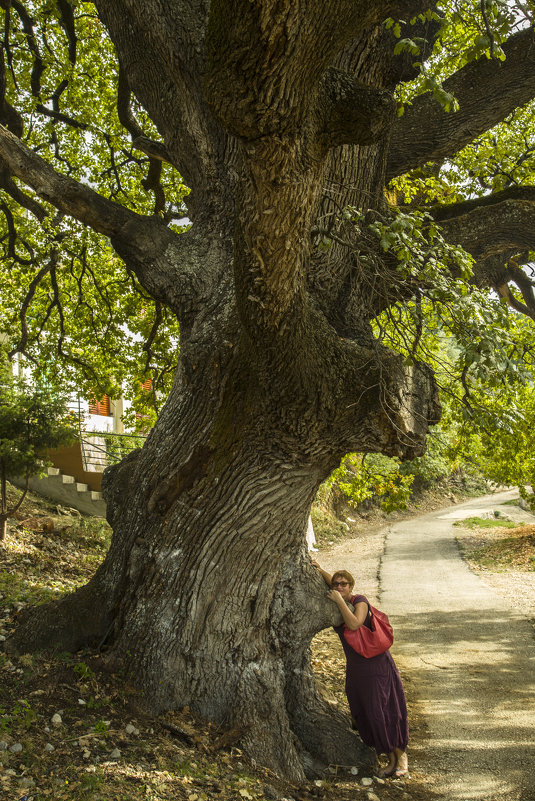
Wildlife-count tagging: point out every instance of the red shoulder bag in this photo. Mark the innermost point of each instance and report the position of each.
(372, 642)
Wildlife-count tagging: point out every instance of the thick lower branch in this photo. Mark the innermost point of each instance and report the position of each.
(178, 270)
(64, 193)
(452, 210)
(495, 228)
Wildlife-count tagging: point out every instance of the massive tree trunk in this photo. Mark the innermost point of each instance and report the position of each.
(278, 119)
(207, 592)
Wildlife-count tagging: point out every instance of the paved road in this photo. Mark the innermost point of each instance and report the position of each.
(469, 658)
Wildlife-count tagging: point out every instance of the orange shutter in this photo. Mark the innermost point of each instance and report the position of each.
(102, 407)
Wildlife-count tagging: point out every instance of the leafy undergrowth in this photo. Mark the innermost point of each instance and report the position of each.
(334, 519)
(70, 729)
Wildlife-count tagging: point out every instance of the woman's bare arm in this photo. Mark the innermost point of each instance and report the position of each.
(326, 576)
(353, 619)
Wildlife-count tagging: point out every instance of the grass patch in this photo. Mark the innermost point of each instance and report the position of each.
(486, 522)
(16, 589)
(497, 545)
(48, 552)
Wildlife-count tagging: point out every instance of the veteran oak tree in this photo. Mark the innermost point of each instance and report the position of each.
(279, 117)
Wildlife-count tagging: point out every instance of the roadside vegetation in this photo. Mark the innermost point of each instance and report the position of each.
(368, 489)
(497, 545)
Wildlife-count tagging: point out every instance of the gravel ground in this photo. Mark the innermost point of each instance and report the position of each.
(516, 587)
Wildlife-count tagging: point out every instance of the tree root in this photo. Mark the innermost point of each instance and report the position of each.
(79, 620)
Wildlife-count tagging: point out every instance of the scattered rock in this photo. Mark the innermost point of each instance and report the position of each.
(366, 781)
(81, 702)
(271, 793)
(131, 729)
(86, 753)
(115, 754)
(16, 748)
(3, 745)
(56, 720)
(372, 797)
(354, 771)
(49, 747)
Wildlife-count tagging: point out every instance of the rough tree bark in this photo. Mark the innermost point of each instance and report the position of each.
(275, 115)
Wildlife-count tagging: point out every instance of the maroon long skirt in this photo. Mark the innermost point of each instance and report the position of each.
(376, 698)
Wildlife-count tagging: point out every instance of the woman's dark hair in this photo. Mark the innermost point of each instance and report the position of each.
(345, 575)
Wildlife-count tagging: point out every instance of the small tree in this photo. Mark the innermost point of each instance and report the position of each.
(32, 419)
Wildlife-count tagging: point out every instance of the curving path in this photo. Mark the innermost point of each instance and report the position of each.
(469, 657)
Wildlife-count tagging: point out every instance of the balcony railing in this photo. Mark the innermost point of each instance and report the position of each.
(100, 449)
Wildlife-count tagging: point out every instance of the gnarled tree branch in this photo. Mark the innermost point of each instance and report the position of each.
(450, 211)
(169, 84)
(495, 229)
(489, 230)
(168, 266)
(498, 272)
(64, 193)
(487, 91)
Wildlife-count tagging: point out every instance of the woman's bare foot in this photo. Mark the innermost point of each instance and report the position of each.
(402, 764)
(387, 771)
